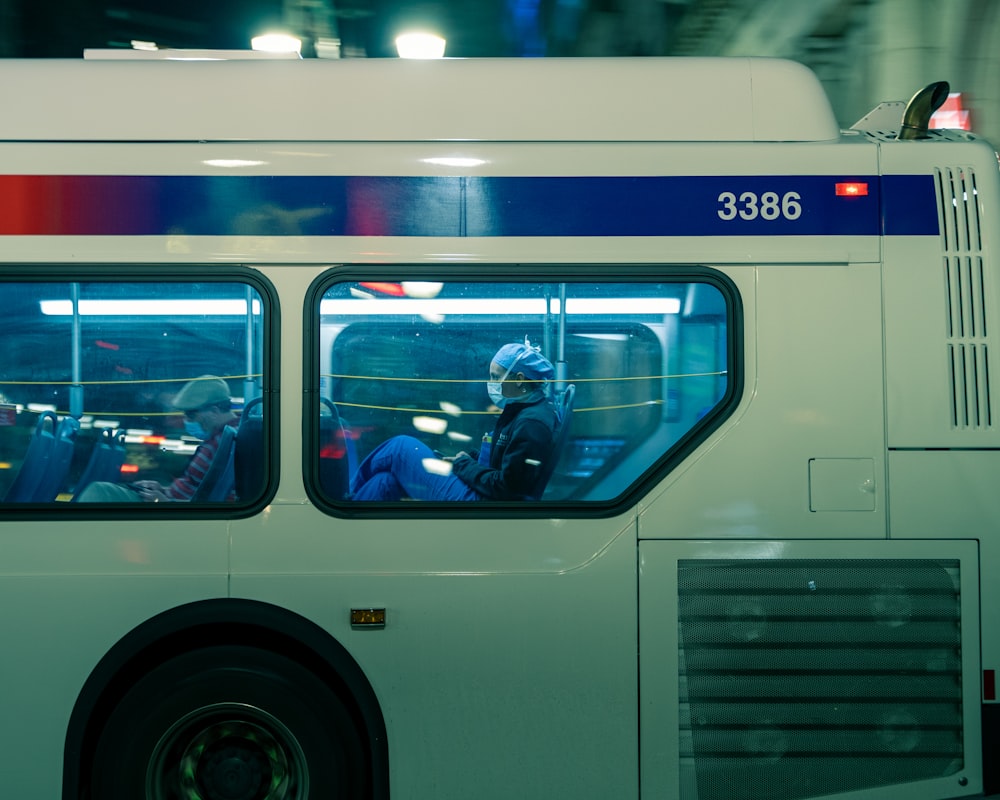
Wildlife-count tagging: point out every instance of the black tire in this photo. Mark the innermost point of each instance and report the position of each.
(229, 723)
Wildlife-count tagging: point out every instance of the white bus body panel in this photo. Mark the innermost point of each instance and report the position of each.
(424, 160)
(921, 506)
(736, 100)
(810, 422)
(66, 600)
(459, 669)
(935, 398)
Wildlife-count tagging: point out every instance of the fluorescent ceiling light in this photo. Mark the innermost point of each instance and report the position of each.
(430, 424)
(149, 308)
(408, 306)
(619, 305)
(436, 466)
(422, 288)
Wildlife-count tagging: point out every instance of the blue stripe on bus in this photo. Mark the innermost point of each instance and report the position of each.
(670, 206)
(706, 206)
(909, 205)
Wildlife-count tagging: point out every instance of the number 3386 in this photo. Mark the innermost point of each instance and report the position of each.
(768, 205)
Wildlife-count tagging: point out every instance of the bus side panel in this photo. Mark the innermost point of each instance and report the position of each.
(942, 317)
(801, 669)
(803, 455)
(953, 494)
(942, 306)
(507, 666)
(61, 602)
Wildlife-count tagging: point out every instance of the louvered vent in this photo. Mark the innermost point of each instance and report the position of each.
(806, 678)
(965, 290)
(938, 134)
(959, 207)
(883, 136)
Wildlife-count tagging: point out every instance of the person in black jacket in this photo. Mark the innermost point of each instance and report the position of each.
(509, 464)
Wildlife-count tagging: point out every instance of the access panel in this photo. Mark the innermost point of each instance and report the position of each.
(791, 670)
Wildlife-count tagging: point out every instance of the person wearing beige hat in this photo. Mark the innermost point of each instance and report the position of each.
(207, 408)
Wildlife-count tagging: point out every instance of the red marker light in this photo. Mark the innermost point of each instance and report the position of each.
(855, 189)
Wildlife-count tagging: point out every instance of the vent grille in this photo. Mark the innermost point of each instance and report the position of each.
(934, 134)
(967, 344)
(804, 678)
(882, 136)
(959, 209)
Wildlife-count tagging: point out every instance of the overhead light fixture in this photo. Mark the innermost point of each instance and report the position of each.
(424, 289)
(276, 43)
(430, 424)
(443, 307)
(420, 45)
(142, 308)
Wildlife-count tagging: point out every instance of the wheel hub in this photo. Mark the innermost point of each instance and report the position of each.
(227, 752)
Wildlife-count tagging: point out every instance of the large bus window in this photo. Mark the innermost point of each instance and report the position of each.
(131, 392)
(602, 383)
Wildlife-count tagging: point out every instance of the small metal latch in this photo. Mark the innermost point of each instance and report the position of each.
(367, 617)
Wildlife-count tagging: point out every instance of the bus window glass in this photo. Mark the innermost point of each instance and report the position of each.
(129, 392)
(631, 370)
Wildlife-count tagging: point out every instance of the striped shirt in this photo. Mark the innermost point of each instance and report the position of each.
(184, 487)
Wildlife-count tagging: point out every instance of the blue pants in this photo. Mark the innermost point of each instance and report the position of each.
(395, 470)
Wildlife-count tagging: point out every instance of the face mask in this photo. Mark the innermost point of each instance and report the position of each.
(193, 428)
(495, 391)
(495, 388)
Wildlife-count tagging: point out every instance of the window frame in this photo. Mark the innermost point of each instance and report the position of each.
(528, 274)
(160, 274)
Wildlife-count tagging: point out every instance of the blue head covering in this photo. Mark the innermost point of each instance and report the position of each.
(518, 357)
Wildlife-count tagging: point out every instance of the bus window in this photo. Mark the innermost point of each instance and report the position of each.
(646, 366)
(129, 392)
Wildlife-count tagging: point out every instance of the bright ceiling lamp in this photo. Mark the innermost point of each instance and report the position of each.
(420, 45)
(276, 43)
(143, 308)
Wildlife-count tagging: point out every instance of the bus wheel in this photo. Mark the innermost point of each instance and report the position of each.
(228, 723)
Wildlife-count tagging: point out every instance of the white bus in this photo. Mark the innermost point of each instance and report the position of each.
(758, 558)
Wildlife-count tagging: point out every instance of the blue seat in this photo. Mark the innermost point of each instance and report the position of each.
(105, 462)
(249, 461)
(564, 423)
(219, 479)
(336, 452)
(53, 478)
(36, 460)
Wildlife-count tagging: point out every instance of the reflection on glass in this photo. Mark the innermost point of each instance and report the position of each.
(90, 371)
(648, 362)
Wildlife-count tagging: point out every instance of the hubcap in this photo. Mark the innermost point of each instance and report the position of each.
(228, 751)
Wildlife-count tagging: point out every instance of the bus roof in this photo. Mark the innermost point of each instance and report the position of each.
(607, 99)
